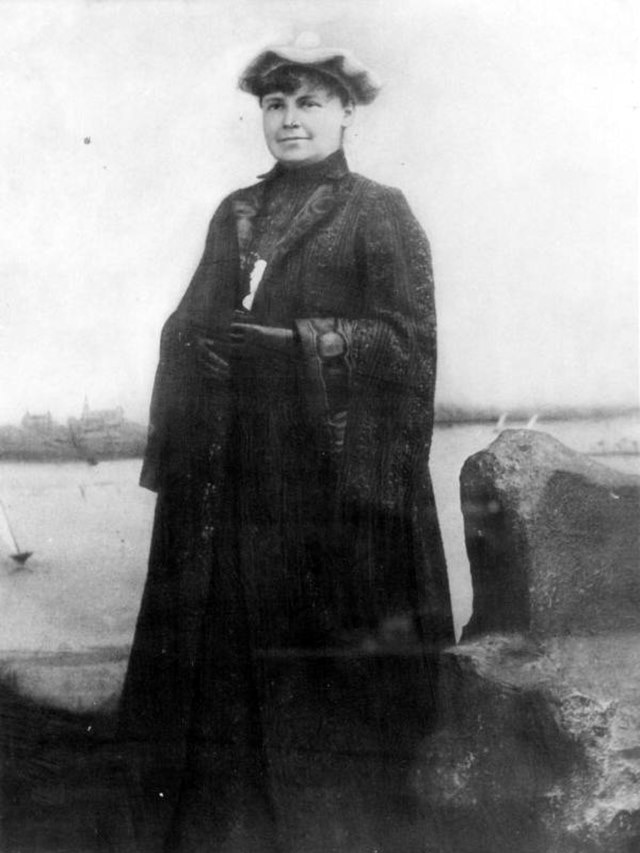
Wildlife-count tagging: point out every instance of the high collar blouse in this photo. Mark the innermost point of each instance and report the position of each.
(286, 191)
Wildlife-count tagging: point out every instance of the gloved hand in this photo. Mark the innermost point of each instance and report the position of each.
(210, 362)
(247, 338)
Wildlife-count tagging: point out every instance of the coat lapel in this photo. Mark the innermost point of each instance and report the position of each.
(246, 206)
(327, 196)
(318, 206)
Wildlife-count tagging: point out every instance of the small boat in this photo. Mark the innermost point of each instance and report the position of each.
(7, 534)
(502, 421)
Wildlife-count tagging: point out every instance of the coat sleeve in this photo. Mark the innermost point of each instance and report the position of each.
(188, 414)
(370, 379)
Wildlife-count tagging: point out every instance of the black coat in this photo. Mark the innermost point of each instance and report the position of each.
(295, 507)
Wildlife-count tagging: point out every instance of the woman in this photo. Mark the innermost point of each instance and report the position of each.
(295, 537)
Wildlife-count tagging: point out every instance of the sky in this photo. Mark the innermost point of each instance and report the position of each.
(511, 127)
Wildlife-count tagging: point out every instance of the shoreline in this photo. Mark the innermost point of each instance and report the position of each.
(20, 445)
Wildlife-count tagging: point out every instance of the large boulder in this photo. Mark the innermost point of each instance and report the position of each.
(538, 745)
(553, 539)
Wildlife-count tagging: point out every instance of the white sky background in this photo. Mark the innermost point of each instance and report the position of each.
(509, 124)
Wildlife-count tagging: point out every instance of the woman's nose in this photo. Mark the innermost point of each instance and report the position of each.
(291, 117)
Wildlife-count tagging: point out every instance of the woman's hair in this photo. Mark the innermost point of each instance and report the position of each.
(289, 78)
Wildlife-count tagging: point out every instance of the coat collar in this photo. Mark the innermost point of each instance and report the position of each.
(327, 191)
(325, 196)
(332, 167)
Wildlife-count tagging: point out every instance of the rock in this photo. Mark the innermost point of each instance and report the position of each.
(539, 747)
(553, 539)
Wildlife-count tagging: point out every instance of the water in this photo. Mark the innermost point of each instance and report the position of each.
(89, 529)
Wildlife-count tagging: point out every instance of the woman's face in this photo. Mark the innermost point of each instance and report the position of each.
(304, 127)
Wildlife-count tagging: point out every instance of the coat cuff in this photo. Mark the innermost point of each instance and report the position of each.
(326, 343)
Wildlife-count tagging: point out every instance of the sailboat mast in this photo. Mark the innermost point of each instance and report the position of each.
(9, 528)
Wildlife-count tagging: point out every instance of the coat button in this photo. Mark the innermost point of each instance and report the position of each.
(330, 345)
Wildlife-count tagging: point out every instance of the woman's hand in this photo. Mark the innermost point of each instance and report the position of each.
(251, 339)
(244, 339)
(210, 363)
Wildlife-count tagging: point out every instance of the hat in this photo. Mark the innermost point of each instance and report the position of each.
(361, 84)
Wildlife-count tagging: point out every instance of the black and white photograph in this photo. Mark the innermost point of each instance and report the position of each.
(319, 427)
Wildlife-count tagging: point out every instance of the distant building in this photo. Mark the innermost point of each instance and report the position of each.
(99, 420)
(94, 435)
(38, 423)
(101, 433)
